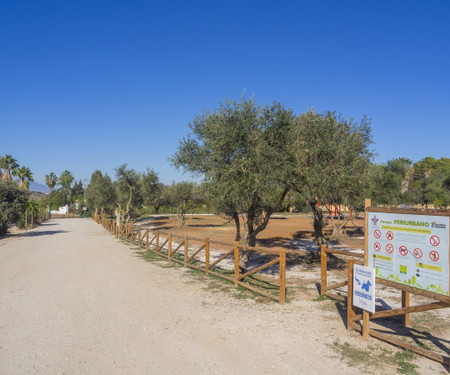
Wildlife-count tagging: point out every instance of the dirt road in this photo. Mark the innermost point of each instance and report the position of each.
(74, 300)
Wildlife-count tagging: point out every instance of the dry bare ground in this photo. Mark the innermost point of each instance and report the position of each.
(74, 300)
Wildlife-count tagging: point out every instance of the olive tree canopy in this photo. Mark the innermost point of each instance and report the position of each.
(240, 151)
(331, 160)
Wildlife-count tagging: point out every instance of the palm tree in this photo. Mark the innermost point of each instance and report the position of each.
(65, 180)
(25, 176)
(9, 164)
(51, 180)
(32, 211)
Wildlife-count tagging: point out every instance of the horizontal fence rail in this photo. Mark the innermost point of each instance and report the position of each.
(217, 258)
(325, 288)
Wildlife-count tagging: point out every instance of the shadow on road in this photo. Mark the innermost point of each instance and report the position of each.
(43, 233)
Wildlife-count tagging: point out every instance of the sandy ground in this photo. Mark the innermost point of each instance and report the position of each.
(74, 300)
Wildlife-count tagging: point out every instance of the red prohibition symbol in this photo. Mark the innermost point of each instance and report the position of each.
(403, 250)
(435, 241)
(417, 253)
(434, 256)
(377, 233)
(390, 235)
(377, 246)
(389, 248)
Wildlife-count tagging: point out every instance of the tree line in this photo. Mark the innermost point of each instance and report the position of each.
(255, 160)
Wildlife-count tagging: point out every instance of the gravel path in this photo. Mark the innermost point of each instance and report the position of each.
(74, 300)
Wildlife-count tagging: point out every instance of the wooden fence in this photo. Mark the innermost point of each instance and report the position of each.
(325, 288)
(196, 253)
(404, 311)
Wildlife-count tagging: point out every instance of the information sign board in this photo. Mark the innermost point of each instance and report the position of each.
(364, 287)
(411, 249)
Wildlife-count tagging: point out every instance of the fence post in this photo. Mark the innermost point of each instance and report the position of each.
(350, 309)
(146, 240)
(139, 236)
(323, 269)
(157, 241)
(169, 253)
(282, 277)
(207, 255)
(405, 303)
(186, 245)
(236, 263)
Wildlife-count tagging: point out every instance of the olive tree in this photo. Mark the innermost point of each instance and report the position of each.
(128, 187)
(100, 194)
(331, 160)
(239, 150)
(184, 196)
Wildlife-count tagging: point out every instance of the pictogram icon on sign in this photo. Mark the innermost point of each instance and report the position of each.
(403, 250)
(417, 253)
(377, 246)
(377, 233)
(389, 248)
(389, 235)
(435, 241)
(434, 256)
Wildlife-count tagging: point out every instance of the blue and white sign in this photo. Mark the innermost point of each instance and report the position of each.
(364, 288)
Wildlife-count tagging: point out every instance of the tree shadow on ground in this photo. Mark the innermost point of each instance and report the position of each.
(394, 326)
(41, 233)
(203, 225)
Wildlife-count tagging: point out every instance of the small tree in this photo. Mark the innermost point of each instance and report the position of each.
(389, 181)
(31, 213)
(429, 184)
(100, 193)
(12, 204)
(151, 189)
(65, 180)
(184, 196)
(128, 188)
(77, 191)
(55, 199)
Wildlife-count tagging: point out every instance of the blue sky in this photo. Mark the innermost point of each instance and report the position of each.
(88, 85)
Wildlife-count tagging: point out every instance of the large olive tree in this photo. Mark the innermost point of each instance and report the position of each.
(239, 150)
(331, 160)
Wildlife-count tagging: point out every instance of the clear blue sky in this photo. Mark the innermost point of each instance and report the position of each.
(88, 85)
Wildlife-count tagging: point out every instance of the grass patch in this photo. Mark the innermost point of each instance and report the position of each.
(427, 321)
(320, 298)
(375, 357)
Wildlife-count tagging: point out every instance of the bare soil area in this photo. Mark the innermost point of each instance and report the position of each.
(283, 231)
(75, 300)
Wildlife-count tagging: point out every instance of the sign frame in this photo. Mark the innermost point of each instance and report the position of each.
(423, 214)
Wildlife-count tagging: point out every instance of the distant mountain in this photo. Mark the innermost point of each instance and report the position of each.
(40, 188)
